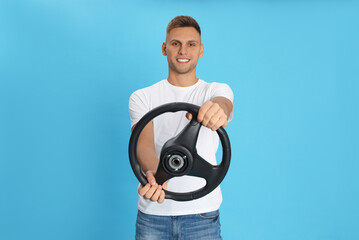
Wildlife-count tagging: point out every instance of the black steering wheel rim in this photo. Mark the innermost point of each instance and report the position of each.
(214, 173)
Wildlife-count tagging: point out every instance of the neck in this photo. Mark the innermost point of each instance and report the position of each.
(182, 80)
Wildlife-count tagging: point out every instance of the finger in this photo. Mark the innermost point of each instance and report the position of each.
(213, 121)
(203, 109)
(189, 116)
(218, 124)
(162, 197)
(157, 194)
(151, 191)
(150, 178)
(210, 113)
(143, 189)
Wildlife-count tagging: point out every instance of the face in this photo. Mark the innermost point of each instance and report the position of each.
(183, 48)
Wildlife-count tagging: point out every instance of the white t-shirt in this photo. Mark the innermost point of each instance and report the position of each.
(169, 125)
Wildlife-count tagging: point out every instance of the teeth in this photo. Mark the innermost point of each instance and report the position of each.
(182, 60)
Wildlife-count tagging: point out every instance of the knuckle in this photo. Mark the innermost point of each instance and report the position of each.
(142, 190)
(148, 195)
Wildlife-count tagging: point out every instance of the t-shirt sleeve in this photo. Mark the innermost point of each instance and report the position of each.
(223, 90)
(138, 106)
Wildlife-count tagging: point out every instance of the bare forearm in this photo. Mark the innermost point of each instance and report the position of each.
(146, 151)
(148, 158)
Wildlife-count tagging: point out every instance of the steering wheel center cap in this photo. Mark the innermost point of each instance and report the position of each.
(177, 161)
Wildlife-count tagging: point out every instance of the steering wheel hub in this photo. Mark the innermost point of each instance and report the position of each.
(176, 162)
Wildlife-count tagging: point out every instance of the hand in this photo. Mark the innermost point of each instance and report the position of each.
(211, 115)
(152, 190)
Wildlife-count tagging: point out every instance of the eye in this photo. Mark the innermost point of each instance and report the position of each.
(174, 43)
(192, 44)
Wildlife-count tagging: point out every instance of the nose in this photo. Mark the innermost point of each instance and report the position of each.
(183, 50)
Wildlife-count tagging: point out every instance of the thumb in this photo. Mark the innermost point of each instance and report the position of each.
(150, 178)
(189, 116)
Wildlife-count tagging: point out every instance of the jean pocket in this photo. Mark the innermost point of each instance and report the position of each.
(209, 215)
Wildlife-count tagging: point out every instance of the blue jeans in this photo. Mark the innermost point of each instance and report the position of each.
(204, 226)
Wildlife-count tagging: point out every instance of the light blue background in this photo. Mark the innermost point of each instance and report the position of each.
(67, 69)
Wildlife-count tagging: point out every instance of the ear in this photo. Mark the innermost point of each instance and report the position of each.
(201, 50)
(164, 53)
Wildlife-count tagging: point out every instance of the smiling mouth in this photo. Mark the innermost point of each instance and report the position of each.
(183, 60)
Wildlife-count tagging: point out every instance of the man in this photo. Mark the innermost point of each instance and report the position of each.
(168, 219)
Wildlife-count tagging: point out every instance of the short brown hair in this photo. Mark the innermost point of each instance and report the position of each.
(183, 21)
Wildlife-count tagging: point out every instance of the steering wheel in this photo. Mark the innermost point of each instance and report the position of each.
(179, 156)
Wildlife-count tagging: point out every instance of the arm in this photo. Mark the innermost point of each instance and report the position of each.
(146, 152)
(148, 159)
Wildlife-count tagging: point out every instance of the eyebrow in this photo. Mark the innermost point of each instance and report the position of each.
(181, 42)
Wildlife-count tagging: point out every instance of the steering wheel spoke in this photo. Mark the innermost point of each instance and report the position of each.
(161, 175)
(188, 136)
(202, 168)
